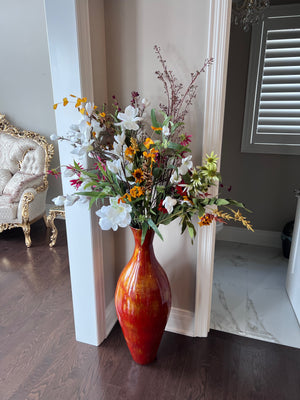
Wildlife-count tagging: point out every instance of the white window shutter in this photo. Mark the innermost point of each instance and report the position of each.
(272, 113)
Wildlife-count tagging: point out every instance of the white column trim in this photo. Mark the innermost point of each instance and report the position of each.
(69, 39)
(84, 48)
(218, 45)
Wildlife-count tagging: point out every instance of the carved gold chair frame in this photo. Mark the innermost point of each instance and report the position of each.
(7, 128)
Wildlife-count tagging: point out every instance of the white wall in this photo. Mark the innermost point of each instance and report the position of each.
(133, 27)
(25, 80)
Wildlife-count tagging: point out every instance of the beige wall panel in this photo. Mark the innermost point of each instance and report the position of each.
(25, 79)
(133, 27)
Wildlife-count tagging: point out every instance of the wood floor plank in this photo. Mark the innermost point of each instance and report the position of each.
(41, 360)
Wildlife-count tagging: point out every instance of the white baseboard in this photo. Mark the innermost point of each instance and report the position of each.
(181, 321)
(110, 317)
(258, 237)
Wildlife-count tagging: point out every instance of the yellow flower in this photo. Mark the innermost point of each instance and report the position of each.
(65, 101)
(148, 142)
(129, 154)
(55, 106)
(138, 175)
(152, 154)
(137, 191)
(82, 110)
(102, 114)
(88, 122)
(72, 95)
(134, 144)
(124, 197)
(78, 103)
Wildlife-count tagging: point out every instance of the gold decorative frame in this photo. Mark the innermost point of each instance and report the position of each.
(7, 128)
(54, 213)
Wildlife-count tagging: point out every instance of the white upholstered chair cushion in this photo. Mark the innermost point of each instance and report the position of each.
(21, 154)
(8, 210)
(5, 176)
(19, 182)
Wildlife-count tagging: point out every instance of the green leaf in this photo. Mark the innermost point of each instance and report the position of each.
(157, 172)
(154, 120)
(154, 227)
(177, 147)
(192, 231)
(144, 231)
(222, 202)
(175, 126)
(236, 203)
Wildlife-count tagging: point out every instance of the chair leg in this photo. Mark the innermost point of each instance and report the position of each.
(45, 218)
(26, 230)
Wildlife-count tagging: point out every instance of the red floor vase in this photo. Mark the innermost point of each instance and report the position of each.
(143, 300)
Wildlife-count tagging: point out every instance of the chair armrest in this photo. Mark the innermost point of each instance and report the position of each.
(32, 204)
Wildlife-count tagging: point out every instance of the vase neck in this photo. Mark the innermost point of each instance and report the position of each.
(148, 242)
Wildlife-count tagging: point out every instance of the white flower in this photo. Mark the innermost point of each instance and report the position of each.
(186, 164)
(89, 108)
(169, 203)
(210, 209)
(119, 145)
(82, 150)
(114, 216)
(166, 131)
(129, 118)
(120, 139)
(59, 200)
(175, 178)
(71, 199)
(114, 166)
(146, 102)
(96, 128)
(68, 173)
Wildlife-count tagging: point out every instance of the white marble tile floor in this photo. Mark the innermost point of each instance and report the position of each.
(249, 296)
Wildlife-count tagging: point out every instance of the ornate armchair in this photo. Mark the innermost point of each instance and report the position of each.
(24, 161)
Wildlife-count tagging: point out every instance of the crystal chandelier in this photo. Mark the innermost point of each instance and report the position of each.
(248, 12)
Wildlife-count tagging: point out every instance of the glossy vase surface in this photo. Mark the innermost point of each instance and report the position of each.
(143, 300)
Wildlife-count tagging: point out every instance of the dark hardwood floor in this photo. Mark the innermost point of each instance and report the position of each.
(40, 359)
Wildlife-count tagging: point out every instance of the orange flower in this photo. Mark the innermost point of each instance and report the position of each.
(124, 197)
(129, 153)
(102, 114)
(79, 101)
(206, 219)
(137, 191)
(138, 175)
(152, 154)
(55, 106)
(148, 142)
(65, 101)
(156, 129)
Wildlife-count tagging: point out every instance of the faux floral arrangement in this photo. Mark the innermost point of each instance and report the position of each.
(146, 173)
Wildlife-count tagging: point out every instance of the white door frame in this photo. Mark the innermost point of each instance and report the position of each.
(218, 45)
(71, 69)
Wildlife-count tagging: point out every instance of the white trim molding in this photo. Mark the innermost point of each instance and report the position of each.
(218, 45)
(110, 317)
(181, 321)
(258, 237)
(68, 31)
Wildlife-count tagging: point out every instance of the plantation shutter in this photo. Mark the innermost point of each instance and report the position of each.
(272, 114)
